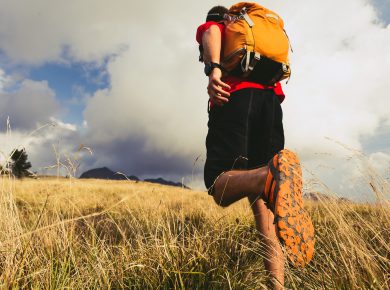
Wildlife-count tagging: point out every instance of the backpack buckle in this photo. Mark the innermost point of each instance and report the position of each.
(245, 15)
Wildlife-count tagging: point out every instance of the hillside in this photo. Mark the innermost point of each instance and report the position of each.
(106, 173)
(106, 234)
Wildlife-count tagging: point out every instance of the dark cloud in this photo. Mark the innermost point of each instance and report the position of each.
(131, 157)
(31, 104)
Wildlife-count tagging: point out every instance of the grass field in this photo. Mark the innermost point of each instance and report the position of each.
(95, 234)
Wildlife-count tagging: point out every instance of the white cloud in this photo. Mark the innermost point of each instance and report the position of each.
(45, 145)
(62, 125)
(381, 162)
(2, 80)
(5, 80)
(48, 27)
(88, 30)
(338, 88)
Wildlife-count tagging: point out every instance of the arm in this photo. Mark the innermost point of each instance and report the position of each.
(211, 42)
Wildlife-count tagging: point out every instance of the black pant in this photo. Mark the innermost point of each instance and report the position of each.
(245, 133)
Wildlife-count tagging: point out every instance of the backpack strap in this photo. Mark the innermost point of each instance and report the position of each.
(247, 68)
(245, 63)
(254, 60)
(247, 18)
(250, 63)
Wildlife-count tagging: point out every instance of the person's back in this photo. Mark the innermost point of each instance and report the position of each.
(245, 133)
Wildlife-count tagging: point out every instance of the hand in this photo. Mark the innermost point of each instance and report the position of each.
(217, 89)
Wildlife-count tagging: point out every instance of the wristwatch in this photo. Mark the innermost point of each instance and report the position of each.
(208, 67)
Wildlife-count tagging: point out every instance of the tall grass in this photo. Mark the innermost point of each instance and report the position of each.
(78, 234)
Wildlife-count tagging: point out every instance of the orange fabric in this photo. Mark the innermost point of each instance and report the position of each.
(234, 82)
(266, 37)
(271, 197)
(268, 184)
(275, 160)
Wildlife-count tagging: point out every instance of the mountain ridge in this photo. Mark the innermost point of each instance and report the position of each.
(106, 173)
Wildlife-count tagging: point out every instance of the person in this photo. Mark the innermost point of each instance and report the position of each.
(246, 156)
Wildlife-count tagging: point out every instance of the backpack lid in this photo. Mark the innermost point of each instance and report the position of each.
(254, 7)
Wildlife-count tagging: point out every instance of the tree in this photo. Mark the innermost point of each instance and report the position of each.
(20, 167)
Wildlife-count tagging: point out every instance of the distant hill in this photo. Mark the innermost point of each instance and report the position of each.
(106, 173)
(316, 196)
(165, 182)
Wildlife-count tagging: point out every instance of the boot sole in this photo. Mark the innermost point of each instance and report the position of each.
(294, 226)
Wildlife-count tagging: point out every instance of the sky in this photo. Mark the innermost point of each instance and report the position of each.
(125, 81)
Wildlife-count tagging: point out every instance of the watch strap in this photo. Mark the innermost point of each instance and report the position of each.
(210, 66)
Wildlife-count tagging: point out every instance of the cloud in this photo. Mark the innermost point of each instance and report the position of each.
(2, 80)
(340, 80)
(383, 9)
(132, 156)
(32, 104)
(49, 30)
(88, 30)
(381, 162)
(41, 144)
(338, 88)
(152, 118)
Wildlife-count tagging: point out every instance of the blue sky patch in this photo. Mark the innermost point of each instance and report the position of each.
(383, 8)
(72, 83)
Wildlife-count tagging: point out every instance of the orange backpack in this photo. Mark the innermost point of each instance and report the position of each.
(256, 45)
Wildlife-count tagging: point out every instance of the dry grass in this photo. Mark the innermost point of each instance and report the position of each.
(98, 234)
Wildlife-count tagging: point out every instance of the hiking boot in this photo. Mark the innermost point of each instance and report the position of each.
(283, 195)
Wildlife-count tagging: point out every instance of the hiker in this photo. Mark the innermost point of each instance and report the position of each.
(245, 149)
